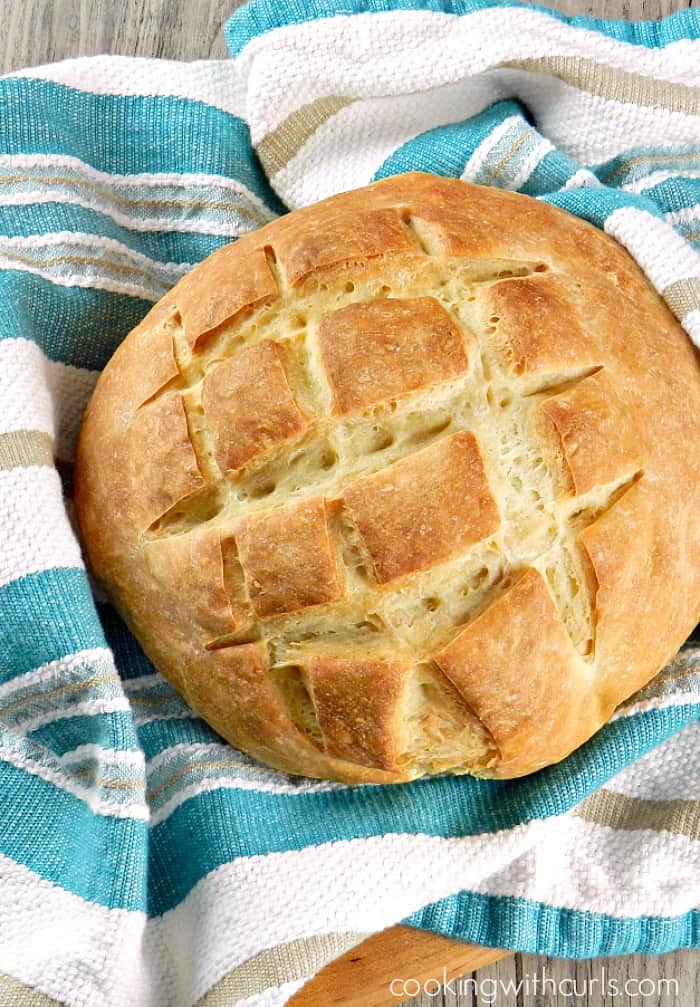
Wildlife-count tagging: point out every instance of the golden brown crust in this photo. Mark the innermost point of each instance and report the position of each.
(149, 354)
(378, 350)
(237, 679)
(630, 552)
(229, 287)
(366, 544)
(517, 669)
(249, 406)
(538, 325)
(287, 558)
(425, 508)
(198, 561)
(336, 240)
(358, 706)
(163, 465)
(598, 442)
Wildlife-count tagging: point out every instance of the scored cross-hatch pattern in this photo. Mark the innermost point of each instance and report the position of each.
(320, 420)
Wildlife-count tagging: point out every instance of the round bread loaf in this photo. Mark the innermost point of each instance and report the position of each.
(401, 483)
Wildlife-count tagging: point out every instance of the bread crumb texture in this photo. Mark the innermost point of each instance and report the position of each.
(402, 483)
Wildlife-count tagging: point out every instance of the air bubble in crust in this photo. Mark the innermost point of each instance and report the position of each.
(435, 426)
(372, 624)
(380, 439)
(263, 489)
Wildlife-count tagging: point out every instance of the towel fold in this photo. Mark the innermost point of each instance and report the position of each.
(144, 862)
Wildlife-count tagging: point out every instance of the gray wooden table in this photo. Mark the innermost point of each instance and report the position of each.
(40, 31)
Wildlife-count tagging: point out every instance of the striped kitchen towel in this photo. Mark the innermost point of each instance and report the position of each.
(143, 862)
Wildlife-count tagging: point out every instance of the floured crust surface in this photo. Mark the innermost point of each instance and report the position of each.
(401, 483)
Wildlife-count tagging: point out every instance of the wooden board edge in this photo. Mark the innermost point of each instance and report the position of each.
(362, 977)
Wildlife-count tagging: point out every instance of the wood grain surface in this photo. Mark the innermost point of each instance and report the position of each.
(41, 31)
(381, 970)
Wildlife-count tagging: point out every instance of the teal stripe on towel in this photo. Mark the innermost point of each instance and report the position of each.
(76, 325)
(264, 15)
(536, 927)
(444, 806)
(164, 133)
(164, 246)
(97, 857)
(108, 730)
(446, 149)
(45, 616)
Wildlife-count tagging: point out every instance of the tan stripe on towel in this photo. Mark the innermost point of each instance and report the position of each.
(22, 448)
(611, 82)
(279, 146)
(618, 811)
(15, 994)
(278, 965)
(683, 296)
